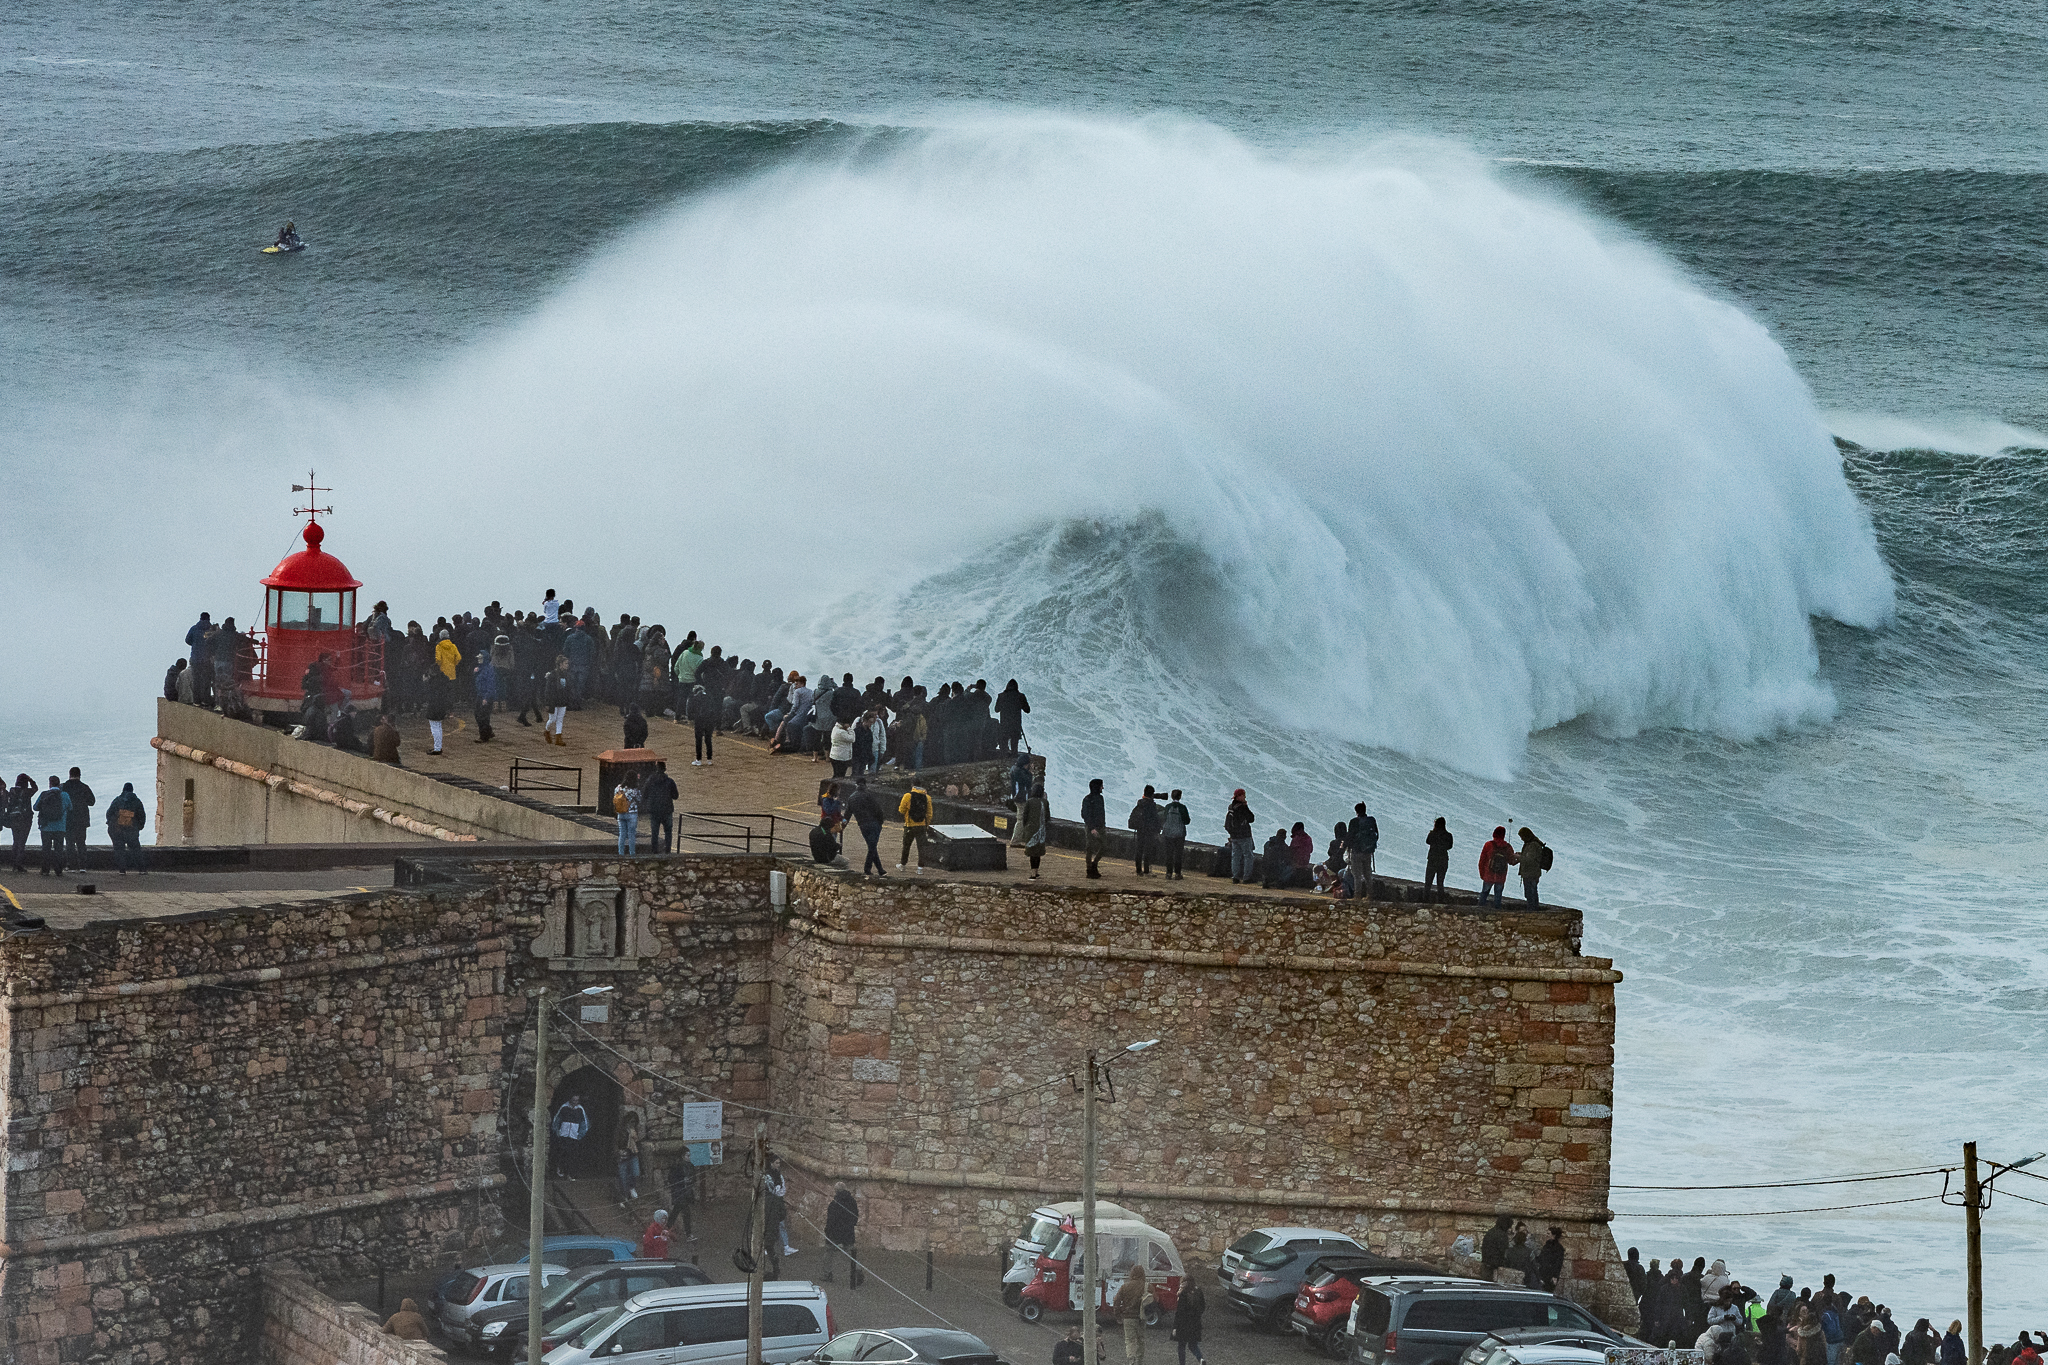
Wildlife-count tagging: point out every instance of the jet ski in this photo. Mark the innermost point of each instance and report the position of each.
(282, 249)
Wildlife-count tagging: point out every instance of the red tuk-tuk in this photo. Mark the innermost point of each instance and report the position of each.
(1120, 1243)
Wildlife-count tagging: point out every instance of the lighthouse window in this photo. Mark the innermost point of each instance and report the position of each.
(314, 610)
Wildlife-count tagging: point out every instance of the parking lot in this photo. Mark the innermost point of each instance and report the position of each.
(964, 1294)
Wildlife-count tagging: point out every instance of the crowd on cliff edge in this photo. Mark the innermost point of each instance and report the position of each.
(1704, 1307)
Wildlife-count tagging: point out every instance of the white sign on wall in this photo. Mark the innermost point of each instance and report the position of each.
(704, 1122)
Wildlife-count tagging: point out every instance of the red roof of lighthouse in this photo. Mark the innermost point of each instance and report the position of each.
(311, 569)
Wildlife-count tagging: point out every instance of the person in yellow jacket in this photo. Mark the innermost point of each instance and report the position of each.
(440, 686)
(447, 656)
(916, 810)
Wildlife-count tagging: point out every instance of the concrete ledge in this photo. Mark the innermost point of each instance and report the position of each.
(1592, 976)
(255, 975)
(246, 1218)
(1198, 1194)
(302, 1326)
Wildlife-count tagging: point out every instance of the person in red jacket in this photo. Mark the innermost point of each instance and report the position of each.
(1494, 861)
(654, 1241)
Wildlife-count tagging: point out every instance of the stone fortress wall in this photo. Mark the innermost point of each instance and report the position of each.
(348, 1081)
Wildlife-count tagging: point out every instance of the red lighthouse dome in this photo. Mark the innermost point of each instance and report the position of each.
(309, 619)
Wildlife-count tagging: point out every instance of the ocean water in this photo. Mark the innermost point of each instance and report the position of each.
(1624, 419)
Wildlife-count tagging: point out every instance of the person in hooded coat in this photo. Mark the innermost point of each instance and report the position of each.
(1493, 1247)
(1633, 1267)
(1034, 822)
(407, 1324)
(126, 820)
(635, 735)
(1921, 1346)
(1783, 1300)
(1714, 1281)
(842, 1227)
(1550, 1261)
(1011, 708)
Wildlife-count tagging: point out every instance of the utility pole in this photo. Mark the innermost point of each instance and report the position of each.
(1088, 1217)
(757, 1171)
(1973, 1200)
(537, 1205)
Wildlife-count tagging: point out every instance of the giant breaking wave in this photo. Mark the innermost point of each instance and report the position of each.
(1367, 440)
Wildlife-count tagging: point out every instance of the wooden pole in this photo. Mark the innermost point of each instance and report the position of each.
(1973, 1198)
(757, 1236)
(1088, 1218)
(537, 1200)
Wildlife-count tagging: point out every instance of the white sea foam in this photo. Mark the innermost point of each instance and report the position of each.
(1458, 464)
(1960, 434)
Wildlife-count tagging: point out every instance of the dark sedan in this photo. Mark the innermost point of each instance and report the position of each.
(907, 1346)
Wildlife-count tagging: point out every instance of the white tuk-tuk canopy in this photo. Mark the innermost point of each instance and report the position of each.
(1121, 1243)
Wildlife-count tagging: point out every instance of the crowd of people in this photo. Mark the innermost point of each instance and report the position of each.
(538, 667)
(1704, 1307)
(61, 812)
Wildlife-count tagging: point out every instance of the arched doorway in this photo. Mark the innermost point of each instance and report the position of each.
(592, 1157)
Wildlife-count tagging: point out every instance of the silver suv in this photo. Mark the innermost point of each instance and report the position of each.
(479, 1290)
(699, 1324)
(1424, 1320)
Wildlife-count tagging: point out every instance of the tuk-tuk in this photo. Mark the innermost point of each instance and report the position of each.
(1120, 1243)
(1041, 1230)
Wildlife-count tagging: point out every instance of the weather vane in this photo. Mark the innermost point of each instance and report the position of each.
(310, 489)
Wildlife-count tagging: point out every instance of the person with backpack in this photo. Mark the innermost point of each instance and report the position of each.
(626, 808)
(1237, 823)
(1095, 824)
(916, 810)
(1493, 865)
(53, 814)
(1144, 822)
(125, 821)
(1534, 860)
(1173, 834)
(18, 816)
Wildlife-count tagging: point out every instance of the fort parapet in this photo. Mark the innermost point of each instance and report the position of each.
(344, 1081)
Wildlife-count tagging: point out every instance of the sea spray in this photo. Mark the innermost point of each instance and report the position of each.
(1448, 462)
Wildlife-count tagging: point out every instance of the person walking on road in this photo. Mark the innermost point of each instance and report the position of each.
(842, 1223)
(1129, 1306)
(1187, 1324)
(1095, 827)
(1494, 859)
(1237, 823)
(570, 1124)
(125, 822)
(916, 810)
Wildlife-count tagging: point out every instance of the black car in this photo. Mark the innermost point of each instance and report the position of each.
(1431, 1320)
(500, 1332)
(907, 1346)
(1262, 1283)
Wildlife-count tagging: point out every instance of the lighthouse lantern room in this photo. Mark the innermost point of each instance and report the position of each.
(309, 618)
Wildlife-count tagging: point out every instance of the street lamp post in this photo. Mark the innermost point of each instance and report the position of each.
(1977, 1194)
(1096, 1071)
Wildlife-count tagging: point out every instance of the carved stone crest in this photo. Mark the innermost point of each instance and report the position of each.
(595, 926)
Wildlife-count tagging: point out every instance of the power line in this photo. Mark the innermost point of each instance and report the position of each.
(868, 1272)
(2024, 1199)
(1800, 1184)
(1781, 1213)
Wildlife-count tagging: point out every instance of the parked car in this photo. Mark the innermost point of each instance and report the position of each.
(897, 1345)
(577, 1252)
(702, 1324)
(459, 1296)
(1518, 1346)
(1548, 1353)
(500, 1332)
(1322, 1306)
(1425, 1320)
(1262, 1269)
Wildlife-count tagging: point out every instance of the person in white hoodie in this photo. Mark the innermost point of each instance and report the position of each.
(840, 747)
(1713, 1282)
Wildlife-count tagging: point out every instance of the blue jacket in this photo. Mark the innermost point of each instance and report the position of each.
(54, 814)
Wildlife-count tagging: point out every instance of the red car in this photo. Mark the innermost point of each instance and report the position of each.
(1328, 1287)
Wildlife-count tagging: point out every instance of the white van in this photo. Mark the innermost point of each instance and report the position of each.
(702, 1324)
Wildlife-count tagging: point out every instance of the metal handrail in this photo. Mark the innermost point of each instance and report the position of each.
(743, 835)
(527, 765)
